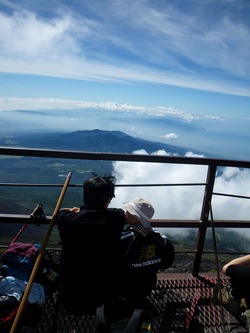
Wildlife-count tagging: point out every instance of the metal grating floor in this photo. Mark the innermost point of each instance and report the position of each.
(188, 306)
(183, 304)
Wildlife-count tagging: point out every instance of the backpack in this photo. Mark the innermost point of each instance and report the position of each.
(18, 261)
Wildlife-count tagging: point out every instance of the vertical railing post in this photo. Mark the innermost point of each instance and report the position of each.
(204, 218)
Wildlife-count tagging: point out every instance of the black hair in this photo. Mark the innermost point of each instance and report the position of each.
(98, 190)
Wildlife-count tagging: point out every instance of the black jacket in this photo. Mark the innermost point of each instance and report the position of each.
(90, 256)
(142, 257)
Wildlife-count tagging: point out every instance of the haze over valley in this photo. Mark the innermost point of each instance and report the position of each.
(214, 137)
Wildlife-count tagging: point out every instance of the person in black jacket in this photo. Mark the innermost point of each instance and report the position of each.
(143, 253)
(90, 248)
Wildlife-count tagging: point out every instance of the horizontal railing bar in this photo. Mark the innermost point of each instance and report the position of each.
(117, 185)
(232, 195)
(120, 157)
(159, 223)
(197, 223)
(126, 185)
(161, 185)
(4, 246)
(35, 185)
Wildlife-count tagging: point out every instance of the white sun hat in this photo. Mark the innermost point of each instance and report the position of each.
(142, 209)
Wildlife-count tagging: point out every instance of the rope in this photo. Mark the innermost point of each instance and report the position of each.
(217, 266)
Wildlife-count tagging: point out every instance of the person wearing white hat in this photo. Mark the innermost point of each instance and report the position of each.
(141, 210)
(144, 252)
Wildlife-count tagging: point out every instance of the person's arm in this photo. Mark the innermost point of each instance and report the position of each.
(241, 261)
(168, 254)
(64, 214)
(74, 209)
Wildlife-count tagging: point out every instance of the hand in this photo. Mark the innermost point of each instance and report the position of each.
(75, 209)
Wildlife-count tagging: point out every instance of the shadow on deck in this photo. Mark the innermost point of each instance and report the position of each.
(183, 304)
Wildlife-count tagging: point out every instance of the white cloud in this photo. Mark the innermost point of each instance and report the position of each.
(233, 181)
(14, 103)
(171, 198)
(85, 46)
(182, 202)
(170, 136)
(35, 37)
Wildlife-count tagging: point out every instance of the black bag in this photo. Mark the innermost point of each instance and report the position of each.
(32, 314)
(124, 317)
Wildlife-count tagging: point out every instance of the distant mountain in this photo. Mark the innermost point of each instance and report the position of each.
(94, 141)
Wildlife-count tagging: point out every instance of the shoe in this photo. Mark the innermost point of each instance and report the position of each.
(245, 316)
(222, 295)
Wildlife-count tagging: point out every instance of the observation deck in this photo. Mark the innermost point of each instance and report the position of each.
(183, 298)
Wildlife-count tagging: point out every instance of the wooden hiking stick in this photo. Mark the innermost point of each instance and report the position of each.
(40, 255)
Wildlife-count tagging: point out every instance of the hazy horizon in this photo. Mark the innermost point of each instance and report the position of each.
(214, 137)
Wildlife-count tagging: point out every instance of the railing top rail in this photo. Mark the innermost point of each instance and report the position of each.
(120, 157)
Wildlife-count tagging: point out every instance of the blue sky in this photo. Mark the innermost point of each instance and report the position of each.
(187, 55)
(178, 68)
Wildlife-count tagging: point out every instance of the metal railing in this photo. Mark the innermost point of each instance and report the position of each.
(205, 220)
